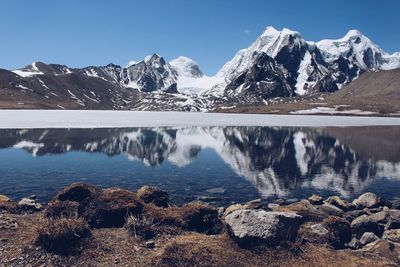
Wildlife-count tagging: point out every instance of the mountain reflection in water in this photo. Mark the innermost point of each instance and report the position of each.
(277, 161)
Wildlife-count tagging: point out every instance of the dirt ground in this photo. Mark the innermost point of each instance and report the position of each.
(116, 247)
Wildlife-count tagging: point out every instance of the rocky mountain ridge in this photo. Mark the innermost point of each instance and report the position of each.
(277, 64)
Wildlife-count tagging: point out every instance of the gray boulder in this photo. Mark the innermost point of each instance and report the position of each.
(367, 200)
(367, 238)
(250, 227)
(30, 204)
(392, 235)
(340, 203)
(331, 209)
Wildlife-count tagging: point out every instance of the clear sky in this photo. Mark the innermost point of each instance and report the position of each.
(78, 33)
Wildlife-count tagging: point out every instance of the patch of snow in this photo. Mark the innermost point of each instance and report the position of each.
(303, 74)
(327, 110)
(21, 119)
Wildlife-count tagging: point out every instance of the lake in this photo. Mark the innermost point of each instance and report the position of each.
(219, 164)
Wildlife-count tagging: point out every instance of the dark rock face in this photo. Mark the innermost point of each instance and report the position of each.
(151, 75)
(265, 79)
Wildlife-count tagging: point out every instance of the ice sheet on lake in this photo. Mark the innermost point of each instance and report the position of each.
(20, 119)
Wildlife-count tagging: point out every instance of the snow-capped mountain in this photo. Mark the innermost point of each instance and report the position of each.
(307, 66)
(191, 79)
(276, 64)
(151, 74)
(360, 50)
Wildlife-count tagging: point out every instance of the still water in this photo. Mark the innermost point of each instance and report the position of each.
(218, 164)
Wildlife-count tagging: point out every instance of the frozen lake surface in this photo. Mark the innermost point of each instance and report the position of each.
(22, 119)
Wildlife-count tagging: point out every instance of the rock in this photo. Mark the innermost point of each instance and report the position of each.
(233, 208)
(396, 203)
(367, 200)
(77, 192)
(332, 230)
(368, 237)
(340, 203)
(273, 206)
(154, 195)
(363, 224)
(380, 217)
(150, 244)
(221, 211)
(392, 224)
(392, 235)
(351, 215)
(280, 201)
(30, 204)
(4, 198)
(303, 208)
(254, 204)
(216, 190)
(315, 199)
(394, 214)
(250, 227)
(110, 208)
(385, 249)
(354, 244)
(200, 218)
(331, 209)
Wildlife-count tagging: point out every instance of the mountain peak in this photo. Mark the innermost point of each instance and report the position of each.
(187, 67)
(270, 31)
(353, 33)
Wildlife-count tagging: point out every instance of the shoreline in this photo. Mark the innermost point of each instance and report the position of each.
(86, 225)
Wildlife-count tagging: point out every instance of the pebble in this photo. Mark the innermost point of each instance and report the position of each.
(150, 244)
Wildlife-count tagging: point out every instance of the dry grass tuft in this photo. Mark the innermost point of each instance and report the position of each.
(142, 228)
(63, 236)
(62, 209)
(191, 217)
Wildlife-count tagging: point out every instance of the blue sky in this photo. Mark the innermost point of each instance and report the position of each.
(96, 32)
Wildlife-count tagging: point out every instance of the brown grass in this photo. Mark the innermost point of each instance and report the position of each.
(62, 236)
(142, 228)
(200, 250)
(191, 217)
(62, 209)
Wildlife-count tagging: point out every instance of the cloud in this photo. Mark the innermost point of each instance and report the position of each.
(247, 31)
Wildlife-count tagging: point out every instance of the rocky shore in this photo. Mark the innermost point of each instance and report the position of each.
(84, 225)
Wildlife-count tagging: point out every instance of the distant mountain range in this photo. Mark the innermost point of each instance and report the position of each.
(277, 64)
